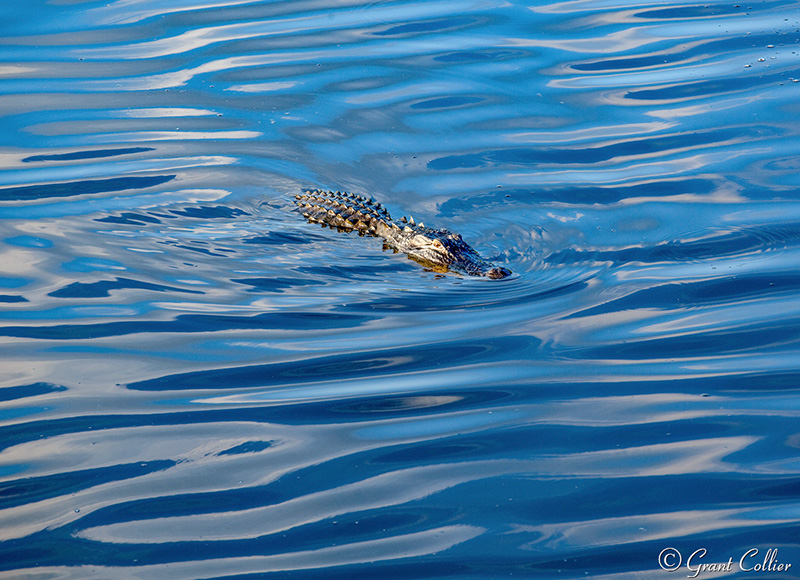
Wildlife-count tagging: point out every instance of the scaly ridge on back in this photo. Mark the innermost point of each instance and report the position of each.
(345, 211)
(439, 250)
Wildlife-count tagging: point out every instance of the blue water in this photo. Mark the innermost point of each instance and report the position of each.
(197, 383)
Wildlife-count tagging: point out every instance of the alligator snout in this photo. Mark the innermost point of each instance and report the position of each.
(497, 273)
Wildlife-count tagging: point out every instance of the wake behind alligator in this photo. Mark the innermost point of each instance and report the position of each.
(439, 250)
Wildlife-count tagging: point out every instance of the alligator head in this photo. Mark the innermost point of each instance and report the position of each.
(441, 250)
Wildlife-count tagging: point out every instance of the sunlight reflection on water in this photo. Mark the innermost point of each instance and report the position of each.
(199, 383)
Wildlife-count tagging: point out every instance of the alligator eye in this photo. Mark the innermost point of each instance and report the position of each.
(438, 245)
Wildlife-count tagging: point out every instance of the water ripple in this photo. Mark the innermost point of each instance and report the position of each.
(199, 383)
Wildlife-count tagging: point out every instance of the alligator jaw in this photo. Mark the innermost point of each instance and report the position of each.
(439, 250)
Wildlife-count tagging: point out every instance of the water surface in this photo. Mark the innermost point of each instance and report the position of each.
(197, 383)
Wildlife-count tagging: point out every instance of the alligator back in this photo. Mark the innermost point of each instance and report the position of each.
(344, 210)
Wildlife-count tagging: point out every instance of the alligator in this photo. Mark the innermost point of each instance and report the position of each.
(438, 250)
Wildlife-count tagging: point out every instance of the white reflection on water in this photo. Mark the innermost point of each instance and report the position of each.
(316, 23)
(655, 526)
(190, 361)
